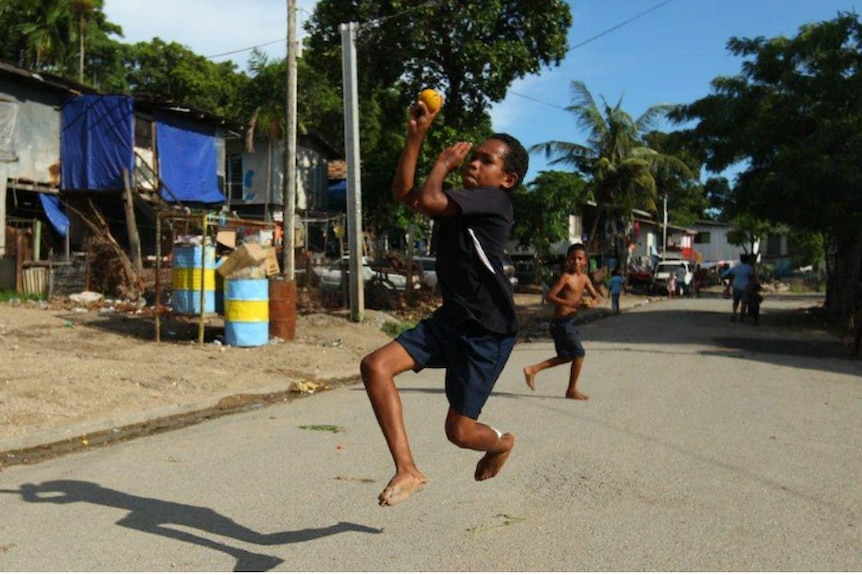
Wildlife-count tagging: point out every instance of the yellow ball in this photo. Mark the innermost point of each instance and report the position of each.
(432, 98)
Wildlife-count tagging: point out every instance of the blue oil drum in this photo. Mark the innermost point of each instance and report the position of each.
(246, 312)
(186, 279)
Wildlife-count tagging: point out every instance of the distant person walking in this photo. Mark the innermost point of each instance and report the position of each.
(699, 280)
(743, 276)
(671, 285)
(680, 274)
(615, 285)
(566, 295)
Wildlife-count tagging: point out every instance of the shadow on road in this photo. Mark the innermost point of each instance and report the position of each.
(159, 517)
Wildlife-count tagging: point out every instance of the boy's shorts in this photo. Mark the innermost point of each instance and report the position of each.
(740, 295)
(567, 340)
(473, 358)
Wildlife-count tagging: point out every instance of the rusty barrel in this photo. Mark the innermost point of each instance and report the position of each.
(282, 308)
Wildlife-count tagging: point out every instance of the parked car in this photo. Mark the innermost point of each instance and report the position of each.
(509, 269)
(428, 269)
(330, 275)
(427, 264)
(639, 279)
(662, 272)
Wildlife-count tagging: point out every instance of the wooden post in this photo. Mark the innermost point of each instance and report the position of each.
(158, 274)
(203, 278)
(131, 224)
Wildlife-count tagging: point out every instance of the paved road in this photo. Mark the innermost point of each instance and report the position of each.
(706, 446)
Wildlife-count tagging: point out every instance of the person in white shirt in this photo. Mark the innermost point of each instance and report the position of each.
(744, 276)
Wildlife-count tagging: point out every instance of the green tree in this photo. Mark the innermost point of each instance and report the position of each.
(71, 38)
(173, 72)
(747, 231)
(47, 27)
(793, 116)
(542, 211)
(687, 197)
(617, 161)
(472, 52)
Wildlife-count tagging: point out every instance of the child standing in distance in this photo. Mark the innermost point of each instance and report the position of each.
(473, 332)
(615, 285)
(567, 296)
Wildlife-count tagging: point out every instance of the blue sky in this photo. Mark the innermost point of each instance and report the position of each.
(643, 51)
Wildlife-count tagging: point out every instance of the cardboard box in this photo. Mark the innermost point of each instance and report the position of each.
(226, 238)
(246, 255)
(271, 263)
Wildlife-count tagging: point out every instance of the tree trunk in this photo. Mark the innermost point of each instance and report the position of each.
(844, 274)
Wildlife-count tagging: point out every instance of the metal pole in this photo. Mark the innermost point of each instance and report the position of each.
(289, 201)
(354, 196)
(664, 232)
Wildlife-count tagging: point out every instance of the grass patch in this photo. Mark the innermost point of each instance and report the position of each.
(11, 295)
(330, 428)
(394, 329)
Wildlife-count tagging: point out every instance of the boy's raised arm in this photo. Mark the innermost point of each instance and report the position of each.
(430, 199)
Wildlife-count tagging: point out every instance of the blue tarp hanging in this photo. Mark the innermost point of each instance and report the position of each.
(97, 142)
(187, 161)
(58, 219)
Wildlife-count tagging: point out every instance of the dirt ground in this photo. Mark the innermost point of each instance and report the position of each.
(68, 370)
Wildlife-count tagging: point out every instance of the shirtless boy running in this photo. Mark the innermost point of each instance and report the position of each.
(567, 296)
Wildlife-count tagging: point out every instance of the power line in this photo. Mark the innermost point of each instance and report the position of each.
(620, 25)
(593, 39)
(382, 19)
(281, 41)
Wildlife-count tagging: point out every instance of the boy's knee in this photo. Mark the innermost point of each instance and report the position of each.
(458, 435)
(369, 366)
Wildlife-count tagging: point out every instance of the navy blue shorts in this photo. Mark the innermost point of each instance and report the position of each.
(567, 340)
(472, 356)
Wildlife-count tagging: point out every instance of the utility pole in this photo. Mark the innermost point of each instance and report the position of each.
(289, 192)
(354, 195)
(664, 231)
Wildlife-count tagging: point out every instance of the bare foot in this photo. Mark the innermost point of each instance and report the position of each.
(577, 395)
(491, 463)
(531, 379)
(400, 487)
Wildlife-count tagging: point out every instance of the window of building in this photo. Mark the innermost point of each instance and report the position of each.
(702, 238)
(234, 177)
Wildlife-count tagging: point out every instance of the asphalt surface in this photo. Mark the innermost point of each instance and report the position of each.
(706, 446)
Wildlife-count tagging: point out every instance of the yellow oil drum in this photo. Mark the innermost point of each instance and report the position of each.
(246, 312)
(186, 279)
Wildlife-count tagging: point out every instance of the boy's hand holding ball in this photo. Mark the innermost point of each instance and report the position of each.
(432, 99)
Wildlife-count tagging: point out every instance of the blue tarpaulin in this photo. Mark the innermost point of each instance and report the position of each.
(187, 161)
(58, 219)
(97, 142)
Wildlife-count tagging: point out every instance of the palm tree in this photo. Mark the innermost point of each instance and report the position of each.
(616, 159)
(83, 11)
(48, 33)
(266, 93)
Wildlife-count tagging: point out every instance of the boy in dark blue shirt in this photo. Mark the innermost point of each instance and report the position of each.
(473, 332)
